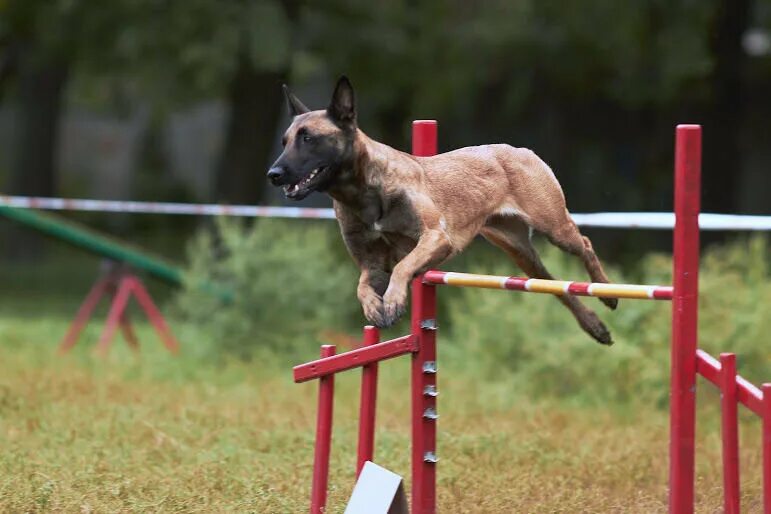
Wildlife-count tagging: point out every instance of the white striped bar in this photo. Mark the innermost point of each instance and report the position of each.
(247, 211)
(556, 287)
(642, 220)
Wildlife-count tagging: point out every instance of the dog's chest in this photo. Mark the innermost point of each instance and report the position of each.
(393, 217)
(395, 231)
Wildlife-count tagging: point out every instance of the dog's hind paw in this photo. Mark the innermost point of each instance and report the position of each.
(610, 303)
(595, 327)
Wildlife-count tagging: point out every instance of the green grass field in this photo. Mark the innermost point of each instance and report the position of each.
(156, 433)
(163, 434)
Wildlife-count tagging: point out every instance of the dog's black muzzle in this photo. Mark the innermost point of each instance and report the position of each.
(277, 175)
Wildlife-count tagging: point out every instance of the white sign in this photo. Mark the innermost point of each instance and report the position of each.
(377, 491)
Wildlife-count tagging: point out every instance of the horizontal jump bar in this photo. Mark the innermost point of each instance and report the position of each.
(355, 358)
(557, 287)
(747, 394)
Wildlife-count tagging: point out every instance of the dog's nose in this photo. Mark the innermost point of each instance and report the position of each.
(275, 174)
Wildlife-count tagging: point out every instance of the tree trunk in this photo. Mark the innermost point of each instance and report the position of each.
(39, 107)
(256, 103)
(723, 162)
(9, 57)
(33, 167)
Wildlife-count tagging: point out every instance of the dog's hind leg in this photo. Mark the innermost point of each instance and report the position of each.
(568, 238)
(512, 235)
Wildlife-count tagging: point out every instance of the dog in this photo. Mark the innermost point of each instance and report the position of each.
(401, 215)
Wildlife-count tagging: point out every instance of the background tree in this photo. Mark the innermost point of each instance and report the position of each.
(183, 52)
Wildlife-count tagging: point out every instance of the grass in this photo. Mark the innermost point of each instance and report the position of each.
(163, 434)
(540, 420)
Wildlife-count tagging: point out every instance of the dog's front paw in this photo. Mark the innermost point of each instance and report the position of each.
(372, 305)
(394, 305)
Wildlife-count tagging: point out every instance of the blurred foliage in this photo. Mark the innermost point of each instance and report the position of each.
(594, 87)
(190, 49)
(289, 285)
(455, 54)
(536, 338)
(171, 51)
(294, 284)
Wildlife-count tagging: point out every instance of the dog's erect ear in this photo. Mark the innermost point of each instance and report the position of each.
(342, 108)
(293, 103)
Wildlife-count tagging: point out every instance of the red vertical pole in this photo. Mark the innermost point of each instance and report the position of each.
(323, 438)
(730, 433)
(684, 319)
(119, 303)
(84, 312)
(367, 407)
(767, 448)
(153, 314)
(128, 332)
(424, 138)
(424, 391)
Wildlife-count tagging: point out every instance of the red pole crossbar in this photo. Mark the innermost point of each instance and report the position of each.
(367, 406)
(746, 393)
(424, 392)
(684, 319)
(323, 438)
(355, 358)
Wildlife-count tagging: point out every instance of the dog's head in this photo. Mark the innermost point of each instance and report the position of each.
(318, 145)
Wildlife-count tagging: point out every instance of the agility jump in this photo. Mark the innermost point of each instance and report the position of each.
(687, 360)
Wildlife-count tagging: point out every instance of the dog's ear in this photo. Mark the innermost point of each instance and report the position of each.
(293, 103)
(342, 108)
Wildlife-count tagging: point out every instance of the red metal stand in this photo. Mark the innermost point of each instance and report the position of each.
(730, 433)
(424, 393)
(766, 419)
(323, 437)
(367, 407)
(424, 390)
(684, 318)
(687, 359)
(120, 283)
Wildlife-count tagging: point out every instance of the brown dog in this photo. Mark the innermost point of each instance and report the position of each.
(401, 215)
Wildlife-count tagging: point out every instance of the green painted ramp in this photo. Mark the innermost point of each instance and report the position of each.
(110, 248)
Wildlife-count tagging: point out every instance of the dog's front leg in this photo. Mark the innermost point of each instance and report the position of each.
(370, 255)
(433, 247)
(372, 285)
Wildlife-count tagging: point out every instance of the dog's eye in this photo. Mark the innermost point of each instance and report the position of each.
(307, 139)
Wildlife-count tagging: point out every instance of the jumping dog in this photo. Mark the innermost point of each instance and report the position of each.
(401, 215)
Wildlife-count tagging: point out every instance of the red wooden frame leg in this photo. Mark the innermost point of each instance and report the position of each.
(424, 415)
(730, 433)
(154, 315)
(119, 303)
(424, 392)
(84, 313)
(367, 407)
(767, 448)
(323, 438)
(128, 332)
(682, 418)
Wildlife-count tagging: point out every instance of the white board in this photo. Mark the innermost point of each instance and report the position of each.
(377, 491)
